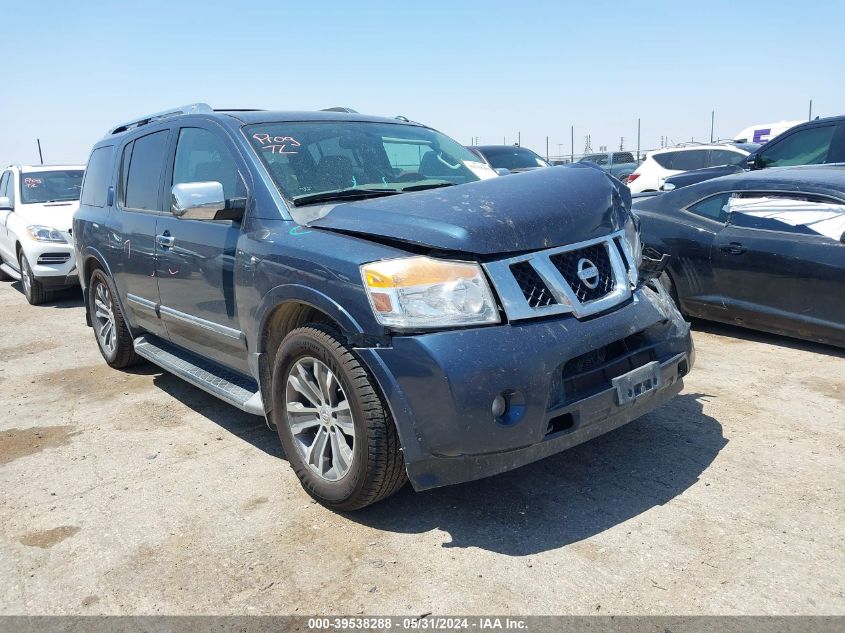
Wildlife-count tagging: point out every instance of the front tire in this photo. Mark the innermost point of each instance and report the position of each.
(33, 289)
(110, 330)
(336, 431)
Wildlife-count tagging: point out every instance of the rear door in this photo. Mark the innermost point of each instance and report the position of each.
(196, 258)
(780, 276)
(132, 240)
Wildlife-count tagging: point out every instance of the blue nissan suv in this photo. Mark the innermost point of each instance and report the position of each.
(393, 309)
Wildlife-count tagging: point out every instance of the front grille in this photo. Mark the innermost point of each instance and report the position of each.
(595, 256)
(582, 279)
(53, 258)
(536, 293)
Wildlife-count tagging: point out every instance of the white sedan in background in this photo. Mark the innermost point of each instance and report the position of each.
(662, 163)
(36, 213)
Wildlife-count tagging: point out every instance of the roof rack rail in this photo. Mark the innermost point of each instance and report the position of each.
(340, 109)
(191, 108)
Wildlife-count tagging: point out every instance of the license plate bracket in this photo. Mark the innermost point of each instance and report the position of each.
(637, 384)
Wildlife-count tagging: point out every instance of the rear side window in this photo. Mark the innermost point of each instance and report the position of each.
(623, 157)
(143, 179)
(805, 147)
(682, 160)
(95, 185)
(725, 157)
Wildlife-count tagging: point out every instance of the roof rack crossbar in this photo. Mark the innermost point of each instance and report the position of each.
(191, 108)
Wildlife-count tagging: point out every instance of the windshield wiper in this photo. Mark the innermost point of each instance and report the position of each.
(435, 185)
(342, 194)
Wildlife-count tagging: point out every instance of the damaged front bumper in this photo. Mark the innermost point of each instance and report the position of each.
(556, 378)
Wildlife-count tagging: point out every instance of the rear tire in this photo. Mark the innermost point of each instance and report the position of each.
(110, 330)
(336, 431)
(33, 290)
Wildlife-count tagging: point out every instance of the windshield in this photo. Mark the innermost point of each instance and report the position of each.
(513, 158)
(310, 158)
(51, 186)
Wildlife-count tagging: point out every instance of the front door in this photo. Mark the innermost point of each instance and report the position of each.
(776, 274)
(196, 258)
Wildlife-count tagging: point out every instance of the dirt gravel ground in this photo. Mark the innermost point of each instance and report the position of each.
(133, 492)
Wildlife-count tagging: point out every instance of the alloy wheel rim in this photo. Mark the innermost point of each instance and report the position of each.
(104, 317)
(319, 418)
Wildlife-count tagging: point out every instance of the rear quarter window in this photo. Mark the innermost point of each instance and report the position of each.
(95, 186)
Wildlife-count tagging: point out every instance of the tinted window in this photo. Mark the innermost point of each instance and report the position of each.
(713, 208)
(682, 160)
(3, 180)
(691, 159)
(514, 158)
(97, 176)
(725, 157)
(623, 157)
(203, 157)
(144, 179)
(805, 147)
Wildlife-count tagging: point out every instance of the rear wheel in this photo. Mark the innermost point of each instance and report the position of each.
(33, 290)
(113, 337)
(336, 431)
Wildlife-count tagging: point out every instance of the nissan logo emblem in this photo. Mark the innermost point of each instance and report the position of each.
(588, 273)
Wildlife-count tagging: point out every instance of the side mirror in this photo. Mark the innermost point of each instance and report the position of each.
(502, 171)
(753, 162)
(5, 204)
(667, 186)
(197, 200)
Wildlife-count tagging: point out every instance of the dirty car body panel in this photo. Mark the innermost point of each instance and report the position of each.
(558, 371)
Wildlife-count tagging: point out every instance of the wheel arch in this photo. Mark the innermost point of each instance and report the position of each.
(91, 260)
(284, 309)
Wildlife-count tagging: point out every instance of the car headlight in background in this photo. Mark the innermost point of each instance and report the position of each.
(424, 292)
(45, 234)
(634, 246)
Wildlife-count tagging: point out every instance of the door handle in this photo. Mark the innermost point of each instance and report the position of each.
(165, 240)
(734, 248)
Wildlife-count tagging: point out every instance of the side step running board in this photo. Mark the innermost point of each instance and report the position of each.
(235, 389)
(14, 274)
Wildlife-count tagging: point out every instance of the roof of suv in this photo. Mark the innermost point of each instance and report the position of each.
(37, 168)
(684, 148)
(240, 117)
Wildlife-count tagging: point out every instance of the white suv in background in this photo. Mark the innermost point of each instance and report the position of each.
(662, 163)
(36, 213)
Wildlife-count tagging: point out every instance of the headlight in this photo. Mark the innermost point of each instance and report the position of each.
(45, 234)
(423, 292)
(634, 247)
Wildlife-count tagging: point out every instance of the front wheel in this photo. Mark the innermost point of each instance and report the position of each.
(33, 289)
(113, 337)
(336, 431)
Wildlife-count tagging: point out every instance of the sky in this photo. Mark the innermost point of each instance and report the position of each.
(494, 70)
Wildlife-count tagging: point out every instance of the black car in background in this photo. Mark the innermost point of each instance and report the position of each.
(511, 157)
(817, 142)
(763, 267)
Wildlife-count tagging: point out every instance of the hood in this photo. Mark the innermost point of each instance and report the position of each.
(524, 212)
(57, 215)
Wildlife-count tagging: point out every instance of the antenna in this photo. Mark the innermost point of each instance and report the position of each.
(40, 155)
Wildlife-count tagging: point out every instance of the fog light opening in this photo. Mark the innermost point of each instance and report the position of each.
(508, 407)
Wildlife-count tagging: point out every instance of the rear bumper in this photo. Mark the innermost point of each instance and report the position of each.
(441, 386)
